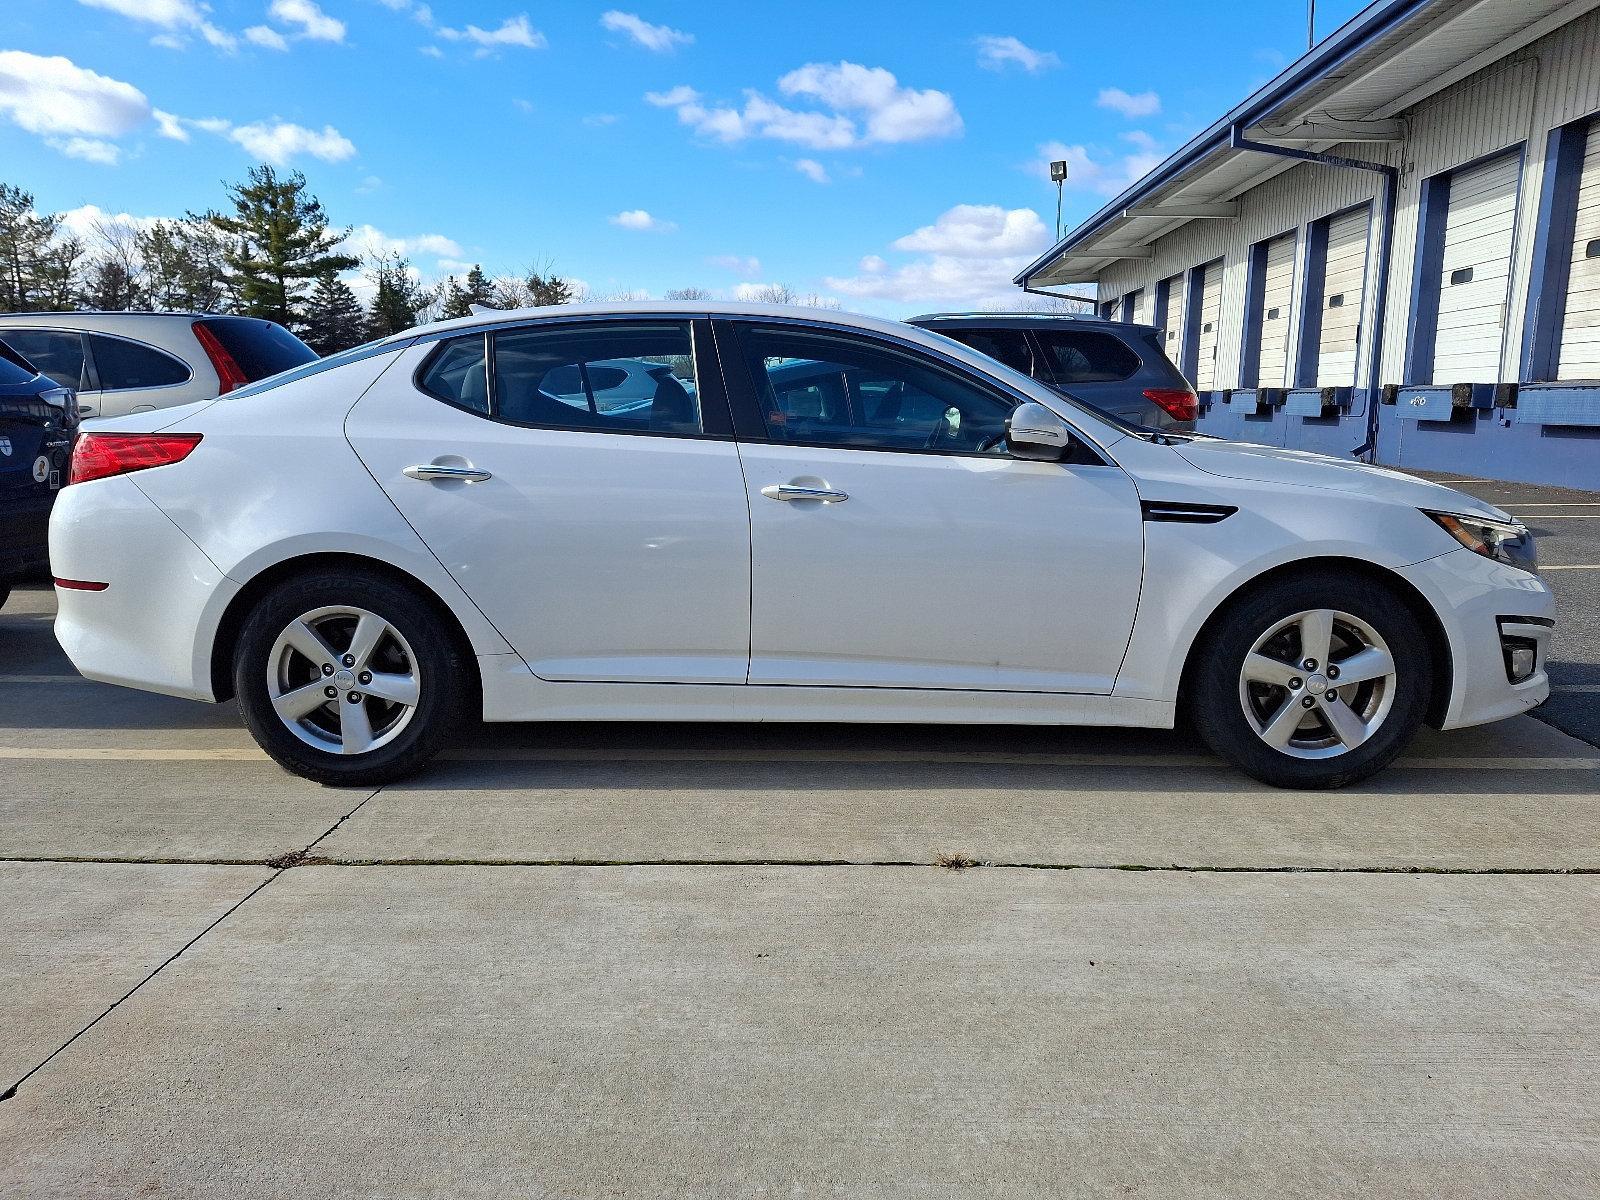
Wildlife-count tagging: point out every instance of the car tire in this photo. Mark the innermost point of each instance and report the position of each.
(399, 682)
(1257, 703)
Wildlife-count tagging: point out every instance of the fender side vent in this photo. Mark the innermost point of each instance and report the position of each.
(1185, 513)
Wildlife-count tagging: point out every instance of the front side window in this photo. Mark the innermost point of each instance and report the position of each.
(56, 353)
(124, 364)
(632, 377)
(827, 389)
(1084, 356)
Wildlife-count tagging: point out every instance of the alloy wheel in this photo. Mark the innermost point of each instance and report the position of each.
(343, 680)
(1317, 684)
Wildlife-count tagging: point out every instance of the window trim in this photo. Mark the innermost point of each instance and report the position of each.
(751, 427)
(716, 422)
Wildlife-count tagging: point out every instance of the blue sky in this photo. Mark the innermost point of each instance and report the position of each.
(887, 154)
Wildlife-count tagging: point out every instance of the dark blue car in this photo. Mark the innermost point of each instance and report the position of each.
(38, 420)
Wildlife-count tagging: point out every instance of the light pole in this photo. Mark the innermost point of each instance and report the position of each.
(1058, 174)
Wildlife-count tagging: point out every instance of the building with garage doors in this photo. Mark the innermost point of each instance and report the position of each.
(1392, 248)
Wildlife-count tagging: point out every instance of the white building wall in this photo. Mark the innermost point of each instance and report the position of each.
(1514, 102)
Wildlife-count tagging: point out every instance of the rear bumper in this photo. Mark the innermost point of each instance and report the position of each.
(1477, 600)
(160, 589)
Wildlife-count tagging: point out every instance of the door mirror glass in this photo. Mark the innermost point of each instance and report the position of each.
(1034, 432)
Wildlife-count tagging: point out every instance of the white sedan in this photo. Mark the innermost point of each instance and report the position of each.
(815, 517)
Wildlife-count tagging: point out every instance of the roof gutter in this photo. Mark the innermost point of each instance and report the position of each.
(1391, 196)
(1343, 44)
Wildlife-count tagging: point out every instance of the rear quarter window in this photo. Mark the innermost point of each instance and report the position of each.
(123, 364)
(1086, 356)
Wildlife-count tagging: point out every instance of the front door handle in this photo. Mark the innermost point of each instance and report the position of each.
(790, 491)
(427, 471)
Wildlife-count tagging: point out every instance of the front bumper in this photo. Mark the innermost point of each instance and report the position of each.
(1486, 609)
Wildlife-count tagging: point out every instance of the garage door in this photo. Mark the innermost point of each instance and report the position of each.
(1172, 321)
(1141, 307)
(1477, 266)
(1580, 330)
(1205, 368)
(1343, 291)
(1277, 291)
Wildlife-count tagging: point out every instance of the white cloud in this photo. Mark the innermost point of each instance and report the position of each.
(56, 96)
(430, 51)
(366, 241)
(997, 53)
(168, 41)
(313, 22)
(1086, 172)
(864, 106)
(596, 120)
(86, 221)
(170, 126)
(967, 257)
(812, 170)
(513, 31)
(739, 264)
(176, 16)
(639, 219)
(282, 142)
(88, 149)
(660, 38)
(263, 35)
(1143, 104)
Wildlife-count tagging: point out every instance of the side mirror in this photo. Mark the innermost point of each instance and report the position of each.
(1034, 432)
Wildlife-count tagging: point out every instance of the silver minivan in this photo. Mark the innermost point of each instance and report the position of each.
(128, 362)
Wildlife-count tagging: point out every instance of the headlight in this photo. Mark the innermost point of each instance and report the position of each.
(1504, 541)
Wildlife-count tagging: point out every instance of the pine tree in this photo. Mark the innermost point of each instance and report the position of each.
(279, 241)
(333, 317)
(459, 299)
(397, 298)
(29, 275)
(185, 269)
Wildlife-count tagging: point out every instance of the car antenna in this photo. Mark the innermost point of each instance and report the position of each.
(476, 309)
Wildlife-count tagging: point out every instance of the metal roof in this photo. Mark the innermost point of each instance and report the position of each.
(1350, 87)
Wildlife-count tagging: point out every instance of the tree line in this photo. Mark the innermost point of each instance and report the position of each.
(268, 251)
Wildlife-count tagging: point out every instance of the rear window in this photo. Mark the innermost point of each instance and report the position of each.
(58, 353)
(123, 364)
(1084, 356)
(1010, 346)
(261, 348)
(14, 369)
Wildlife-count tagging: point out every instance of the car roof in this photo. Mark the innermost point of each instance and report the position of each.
(1018, 320)
(664, 308)
(91, 314)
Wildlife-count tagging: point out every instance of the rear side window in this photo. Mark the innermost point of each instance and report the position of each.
(14, 369)
(57, 353)
(261, 348)
(124, 364)
(1009, 346)
(1084, 356)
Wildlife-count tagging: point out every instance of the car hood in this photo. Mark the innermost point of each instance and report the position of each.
(1300, 468)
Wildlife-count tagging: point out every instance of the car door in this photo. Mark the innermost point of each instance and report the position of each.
(606, 536)
(903, 547)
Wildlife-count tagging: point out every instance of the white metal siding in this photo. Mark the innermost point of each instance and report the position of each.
(1205, 370)
(1141, 307)
(1343, 299)
(1476, 274)
(1580, 329)
(1277, 292)
(1172, 324)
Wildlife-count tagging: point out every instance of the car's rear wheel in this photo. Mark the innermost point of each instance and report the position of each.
(349, 678)
(1311, 682)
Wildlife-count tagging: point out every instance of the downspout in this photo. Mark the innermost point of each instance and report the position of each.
(1391, 199)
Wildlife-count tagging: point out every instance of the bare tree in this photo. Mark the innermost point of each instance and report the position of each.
(686, 293)
(782, 293)
(114, 273)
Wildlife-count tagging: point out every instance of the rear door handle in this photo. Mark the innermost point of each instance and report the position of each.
(789, 491)
(426, 471)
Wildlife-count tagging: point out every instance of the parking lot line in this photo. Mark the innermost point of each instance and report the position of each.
(1572, 567)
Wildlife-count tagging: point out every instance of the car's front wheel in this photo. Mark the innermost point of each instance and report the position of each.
(348, 678)
(1314, 681)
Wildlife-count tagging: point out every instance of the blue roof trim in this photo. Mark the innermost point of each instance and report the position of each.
(1349, 39)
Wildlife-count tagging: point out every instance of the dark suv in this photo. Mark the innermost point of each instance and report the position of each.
(38, 420)
(1113, 366)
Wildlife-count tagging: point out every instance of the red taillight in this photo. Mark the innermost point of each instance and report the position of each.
(1179, 403)
(229, 376)
(101, 455)
(81, 585)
